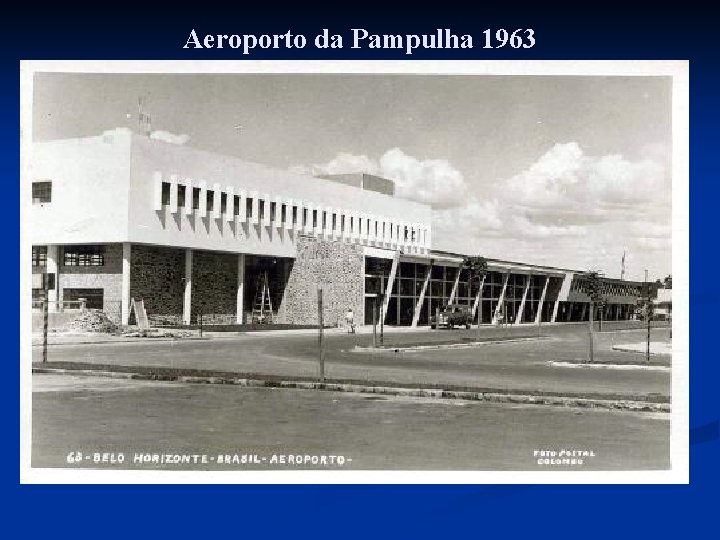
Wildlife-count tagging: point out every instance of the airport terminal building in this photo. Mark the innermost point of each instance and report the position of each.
(192, 233)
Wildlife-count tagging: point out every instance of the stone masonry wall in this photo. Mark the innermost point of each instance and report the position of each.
(337, 267)
(107, 277)
(157, 275)
(214, 286)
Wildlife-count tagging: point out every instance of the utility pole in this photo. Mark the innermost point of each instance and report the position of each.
(46, 295)
(648, 315)
(321, 350)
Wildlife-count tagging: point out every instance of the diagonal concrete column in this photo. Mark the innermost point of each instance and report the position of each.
(421, 299)
(389, 285)
(501, 300)
(478, 299)
(538, 315)
(519, 316)
(453, 292)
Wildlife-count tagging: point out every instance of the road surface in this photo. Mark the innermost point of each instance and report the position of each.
(98, 417)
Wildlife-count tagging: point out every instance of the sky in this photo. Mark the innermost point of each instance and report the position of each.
(555, 170)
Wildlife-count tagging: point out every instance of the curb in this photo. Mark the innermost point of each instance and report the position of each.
(436, 393)
(124, 340)
(442, 346)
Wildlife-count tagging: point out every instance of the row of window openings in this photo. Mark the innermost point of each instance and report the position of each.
(363, 225)
(72, 256)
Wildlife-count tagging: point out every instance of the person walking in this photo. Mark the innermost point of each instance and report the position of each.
(350, 321)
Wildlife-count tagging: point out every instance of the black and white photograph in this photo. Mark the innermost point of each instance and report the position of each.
(252, 271)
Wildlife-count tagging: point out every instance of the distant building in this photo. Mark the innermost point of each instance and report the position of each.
(121, 216)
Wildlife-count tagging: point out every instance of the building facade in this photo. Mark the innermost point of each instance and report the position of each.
(195, 234)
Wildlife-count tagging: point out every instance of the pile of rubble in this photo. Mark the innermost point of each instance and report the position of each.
(93, 320)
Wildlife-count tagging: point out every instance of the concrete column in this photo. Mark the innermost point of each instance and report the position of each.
(240, 303)
(125, 300)
(453, 292)
(555, 309)
(389, 285)
(51, 267)
(187, 297)
(501, 300)
(538, 315)
(478, 299)
(421, 298)
(521, 309)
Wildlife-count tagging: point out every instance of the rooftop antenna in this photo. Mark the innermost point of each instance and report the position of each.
(144, 118)
(622, 266)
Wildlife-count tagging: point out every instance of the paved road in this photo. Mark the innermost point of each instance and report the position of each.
(513, 365)
(91, 414)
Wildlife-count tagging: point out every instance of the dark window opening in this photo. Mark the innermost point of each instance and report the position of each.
(249, 207)
(41, 192)
(181, 196)
(93, 297)
(283, 214)
(165, 193)
(273, 211)
(304, 217)
(324, 221)
(334, 222)
(342, 223)
(315, 219)
(294, 215)
(236, 205)
(84, 256)
(210, 200)
(261, 209)
(196, 198)
(223, 203)
(39, 255)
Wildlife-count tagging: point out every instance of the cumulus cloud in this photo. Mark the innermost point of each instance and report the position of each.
(565, 177)
(432, 181)
(168, 137)
(567, 208)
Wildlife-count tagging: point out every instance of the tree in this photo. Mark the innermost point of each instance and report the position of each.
(477, 269)
(594, 293)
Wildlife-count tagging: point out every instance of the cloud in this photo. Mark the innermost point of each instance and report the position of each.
(431, 181)
(565, 177)
(168, 137)
(568, 208)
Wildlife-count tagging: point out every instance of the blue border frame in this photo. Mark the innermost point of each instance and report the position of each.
(583, 31)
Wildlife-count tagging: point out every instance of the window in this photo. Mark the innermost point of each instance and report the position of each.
(283, 213)
(39, 255)
(324, 221)
(41, 192)
(181, 196)
(210, 200)
(223, 203)
(196, 198)
(273, 211)
(93, 297)
(342, 223)
(248, 207)
(294, 215)
(84, 256)
(334, 222)
(165, 193)
(315, 217)
(236, 205)
(261, 209)
(305, 217)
